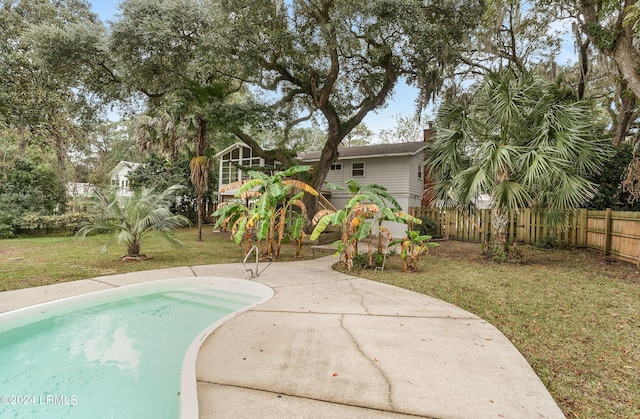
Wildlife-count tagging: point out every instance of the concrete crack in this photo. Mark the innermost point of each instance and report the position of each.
(366, 309)
(297, 396)
(373, 363)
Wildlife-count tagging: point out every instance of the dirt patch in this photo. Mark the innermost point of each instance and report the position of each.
(10, 254)
(139, 258)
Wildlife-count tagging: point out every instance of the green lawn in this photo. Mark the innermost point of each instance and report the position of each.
(49, 260)
(574, 315)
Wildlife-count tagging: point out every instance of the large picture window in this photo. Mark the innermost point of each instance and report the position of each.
(232, 162)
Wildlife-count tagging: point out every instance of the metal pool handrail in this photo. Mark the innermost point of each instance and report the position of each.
(244, 263)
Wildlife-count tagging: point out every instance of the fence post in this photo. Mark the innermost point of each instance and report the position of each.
(447, 223)
(607, 232)
(511, 233)
(582, 227)
(526, 226)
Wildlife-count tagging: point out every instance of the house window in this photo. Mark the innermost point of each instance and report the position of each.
(419, 172)
(357, 169)
(336, 166)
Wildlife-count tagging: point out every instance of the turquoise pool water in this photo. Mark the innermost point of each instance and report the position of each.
(116, 356)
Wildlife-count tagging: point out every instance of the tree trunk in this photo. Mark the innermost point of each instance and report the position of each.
(133, 249)
(202, 144)
(628, 60)
(199, 211)
(320, 170)
(622, 50)
(500, 223)
(583, 56)
(61, 154)
(626, 115)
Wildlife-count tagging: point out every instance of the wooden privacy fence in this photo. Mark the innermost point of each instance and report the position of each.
(615, 233)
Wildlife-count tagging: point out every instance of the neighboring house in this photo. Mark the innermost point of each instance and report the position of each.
(120, 177)
(398, 167)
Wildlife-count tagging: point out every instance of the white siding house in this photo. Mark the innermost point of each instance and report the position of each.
(397, 167)
(120, 177)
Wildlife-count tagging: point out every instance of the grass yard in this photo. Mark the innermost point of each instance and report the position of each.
(575, 316)
(48, 260)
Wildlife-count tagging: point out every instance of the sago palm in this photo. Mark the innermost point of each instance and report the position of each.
(517, 143)
(130, 219)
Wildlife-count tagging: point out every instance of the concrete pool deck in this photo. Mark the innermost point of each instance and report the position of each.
(334, 345)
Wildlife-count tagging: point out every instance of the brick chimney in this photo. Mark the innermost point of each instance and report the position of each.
(429, 134)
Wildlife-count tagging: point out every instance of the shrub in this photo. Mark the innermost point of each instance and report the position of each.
(276, 216)
(551, 241)
(429, 227)
(499, 252)
(369, 204)
(369, 261)
(6, 231)
(34, 223)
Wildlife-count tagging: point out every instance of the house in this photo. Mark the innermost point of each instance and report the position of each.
(398, 167)
(235, 161)
(120, 177)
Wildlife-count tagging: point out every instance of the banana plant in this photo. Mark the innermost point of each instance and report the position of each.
(296, 233)
(368, 204)
(276, 214)
(240, 218)
(412, 248)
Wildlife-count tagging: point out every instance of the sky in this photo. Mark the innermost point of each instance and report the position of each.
(402, 101)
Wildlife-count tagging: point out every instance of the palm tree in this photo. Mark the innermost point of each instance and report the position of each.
(171, 132)
(200, 166)
(130, 219)
(515, 141)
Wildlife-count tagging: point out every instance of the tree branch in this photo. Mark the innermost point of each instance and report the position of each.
(290, 125)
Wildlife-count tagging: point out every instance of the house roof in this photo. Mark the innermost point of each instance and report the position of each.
(124, 164)
(378, 150)
(231, 147)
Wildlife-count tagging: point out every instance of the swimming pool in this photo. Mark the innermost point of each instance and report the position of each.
(127, 352)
